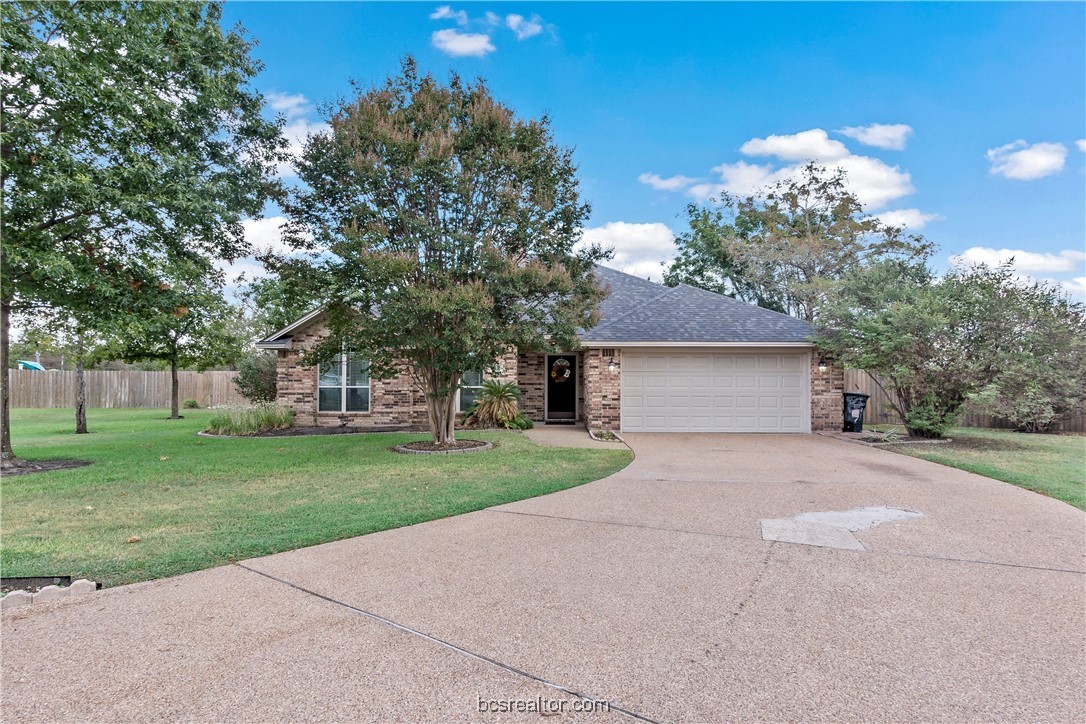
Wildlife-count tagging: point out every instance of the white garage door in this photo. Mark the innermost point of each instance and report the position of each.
(715, 392)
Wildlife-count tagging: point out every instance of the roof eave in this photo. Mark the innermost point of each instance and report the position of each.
(682, 343)
(286, 343)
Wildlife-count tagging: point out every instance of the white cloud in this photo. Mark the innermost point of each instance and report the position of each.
(524, 28)
(640, 249)
(874, 182)
(266, 234)
(1026, 262)
(1081, 143)
(492, 18)
(673, 183)
(881, 135)
(1076, 286)
(297, 132)
(1025, 162)
(447, 13)
(291, 105)
(453, 42)
(745, 178)
(912, 219)
(296, 109)
(812, 145)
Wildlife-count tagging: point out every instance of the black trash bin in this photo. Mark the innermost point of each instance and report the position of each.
(855, 404)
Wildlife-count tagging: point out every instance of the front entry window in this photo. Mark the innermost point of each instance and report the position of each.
(471, 383)
(343, 385)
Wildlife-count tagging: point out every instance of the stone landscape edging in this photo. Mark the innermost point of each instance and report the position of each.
(17, 599)
(402, 449)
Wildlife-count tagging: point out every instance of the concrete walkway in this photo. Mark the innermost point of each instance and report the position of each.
(652, 589)
(568, 436)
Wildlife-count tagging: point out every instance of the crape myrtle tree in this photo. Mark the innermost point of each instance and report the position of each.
(128, 131)
(786, 247)
(184, 322)
(443, 231)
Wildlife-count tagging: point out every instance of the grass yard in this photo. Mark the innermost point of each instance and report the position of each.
(199, 502)
(1053, 465)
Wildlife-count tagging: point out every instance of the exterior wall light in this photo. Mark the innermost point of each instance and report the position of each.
(822, 366)
(611, 365)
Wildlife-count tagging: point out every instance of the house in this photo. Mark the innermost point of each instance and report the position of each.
(661, 359)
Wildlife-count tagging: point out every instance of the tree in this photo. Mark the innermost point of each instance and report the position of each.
(188, 324)
(785, 248)
(443, 230)
(129, 133)
(52, 330)
(1042, 370)
(933, 343)
(273, 303)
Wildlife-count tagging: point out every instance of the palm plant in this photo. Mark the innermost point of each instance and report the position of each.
(496, 405)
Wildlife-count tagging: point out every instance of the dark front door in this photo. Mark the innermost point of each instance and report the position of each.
(562, 387)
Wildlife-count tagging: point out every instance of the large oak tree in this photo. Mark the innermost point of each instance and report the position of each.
(443, 229)
(129, 132)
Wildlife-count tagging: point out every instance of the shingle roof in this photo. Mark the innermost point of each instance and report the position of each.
(642, 311)
(637, 310)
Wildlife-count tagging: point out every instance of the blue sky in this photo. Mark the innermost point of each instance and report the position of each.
(965, 121)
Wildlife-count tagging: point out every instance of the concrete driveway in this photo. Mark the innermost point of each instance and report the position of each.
(651, 589)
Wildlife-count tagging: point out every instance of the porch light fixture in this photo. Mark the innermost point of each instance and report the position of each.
(611, 365)
(822, 365)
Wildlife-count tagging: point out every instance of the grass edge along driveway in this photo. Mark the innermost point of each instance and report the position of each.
(199, 502)
(1052, 465)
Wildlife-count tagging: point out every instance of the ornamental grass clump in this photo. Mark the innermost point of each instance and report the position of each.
(243, 421)
(497, 405)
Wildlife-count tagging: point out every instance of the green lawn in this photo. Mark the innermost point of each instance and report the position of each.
(199, 502)
(1053, 465)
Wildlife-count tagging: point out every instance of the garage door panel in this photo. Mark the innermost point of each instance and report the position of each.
(714, 392)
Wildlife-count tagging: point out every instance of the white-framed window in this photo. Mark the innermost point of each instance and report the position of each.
(343, 385)
(471, 383)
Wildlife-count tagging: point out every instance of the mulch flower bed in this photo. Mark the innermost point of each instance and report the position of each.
(296, 431)
(44, 466)
(429, 447)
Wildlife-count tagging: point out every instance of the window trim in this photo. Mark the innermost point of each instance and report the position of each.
(344, 361)
(462, 387)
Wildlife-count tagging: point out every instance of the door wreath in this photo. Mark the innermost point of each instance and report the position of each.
(560, 371)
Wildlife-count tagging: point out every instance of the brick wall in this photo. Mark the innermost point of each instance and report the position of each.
(394, 403)
(826, 402)
(602, 390)
(531, 369)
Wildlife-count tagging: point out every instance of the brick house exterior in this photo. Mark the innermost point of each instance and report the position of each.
(771, 349)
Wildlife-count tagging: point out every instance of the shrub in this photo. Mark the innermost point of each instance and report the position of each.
(243, 421)
(256, 377)
(520, 422)
(190, 404)
(496, 405)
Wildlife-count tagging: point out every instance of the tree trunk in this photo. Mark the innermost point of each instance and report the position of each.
(80, 389)
(7, 457)
(441, 409)
(174, 408)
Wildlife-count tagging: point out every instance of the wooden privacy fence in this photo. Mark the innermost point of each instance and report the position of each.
(880, 411)
(121, 388)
